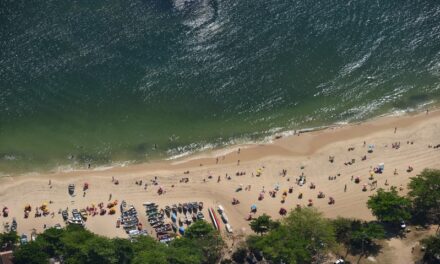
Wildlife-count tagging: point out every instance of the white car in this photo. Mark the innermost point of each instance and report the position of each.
(402, 224)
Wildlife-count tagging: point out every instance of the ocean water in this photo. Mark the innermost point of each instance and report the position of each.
(102, 82)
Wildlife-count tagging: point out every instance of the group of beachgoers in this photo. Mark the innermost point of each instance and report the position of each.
(365, 181)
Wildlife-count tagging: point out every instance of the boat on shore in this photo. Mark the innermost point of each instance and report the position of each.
(214, 218)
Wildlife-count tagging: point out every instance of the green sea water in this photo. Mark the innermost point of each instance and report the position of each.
(105, 82)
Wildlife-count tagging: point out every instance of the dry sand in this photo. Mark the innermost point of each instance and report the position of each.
(308, 150)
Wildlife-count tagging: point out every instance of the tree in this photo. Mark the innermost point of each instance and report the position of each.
(50, 240)
(343, 230)
(204, 238)
(363, 235)
(151, 256)
(76, 245)
(240, 254)
(261, 224)
(123, 250)
(100, 250)
(200, 229)
(30, 253)
(75, 248)
(432, 252)
(358, 237)
(304, 236)
(388, 206)
(148, 250)
(8, 240)
(424, 192)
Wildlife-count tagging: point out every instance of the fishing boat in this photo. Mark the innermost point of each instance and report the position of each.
(65, 215)
(229, 228)
(214, 218)
(200, 216)
(14, 225)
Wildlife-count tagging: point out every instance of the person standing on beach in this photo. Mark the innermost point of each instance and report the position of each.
(395, 130)
(345, 188)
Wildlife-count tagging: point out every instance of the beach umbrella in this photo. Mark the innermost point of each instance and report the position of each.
(253, 207)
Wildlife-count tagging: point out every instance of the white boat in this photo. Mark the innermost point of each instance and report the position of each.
(224, 218)
(229, 228)
(213, 218)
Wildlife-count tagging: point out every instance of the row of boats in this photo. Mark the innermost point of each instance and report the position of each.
(184, 208)
(156, 218)
(224, 218)
(181, 215)
(130, 221)
(77, 217)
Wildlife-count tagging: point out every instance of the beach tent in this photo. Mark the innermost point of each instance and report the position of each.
(253, 208)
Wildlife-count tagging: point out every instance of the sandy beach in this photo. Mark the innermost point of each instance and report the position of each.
(213, 177)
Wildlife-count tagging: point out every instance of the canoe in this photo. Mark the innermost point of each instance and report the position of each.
(214, 218)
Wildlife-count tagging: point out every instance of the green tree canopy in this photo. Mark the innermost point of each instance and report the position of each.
(424, 192)
(303, 236)
(358, 237)
(76, 245)
(363, 234)
(8, 240)
(432, 251)
(262, 224)
(201, 239)
(343, 230)
(389, 206)
(124, 251)
(31, 253)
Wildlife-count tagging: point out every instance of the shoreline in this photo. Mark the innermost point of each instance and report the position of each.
(205, 153)
(304, 153)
